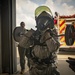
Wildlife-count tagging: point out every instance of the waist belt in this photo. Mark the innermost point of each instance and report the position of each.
(43, 61)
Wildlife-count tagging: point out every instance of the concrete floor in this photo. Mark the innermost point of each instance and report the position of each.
(63, 66)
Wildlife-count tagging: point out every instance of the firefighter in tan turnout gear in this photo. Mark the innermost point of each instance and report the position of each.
(43, 51)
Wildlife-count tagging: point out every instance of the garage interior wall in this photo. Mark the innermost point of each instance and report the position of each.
(7, 45)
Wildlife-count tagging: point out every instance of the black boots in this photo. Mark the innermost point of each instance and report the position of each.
(71, 62)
